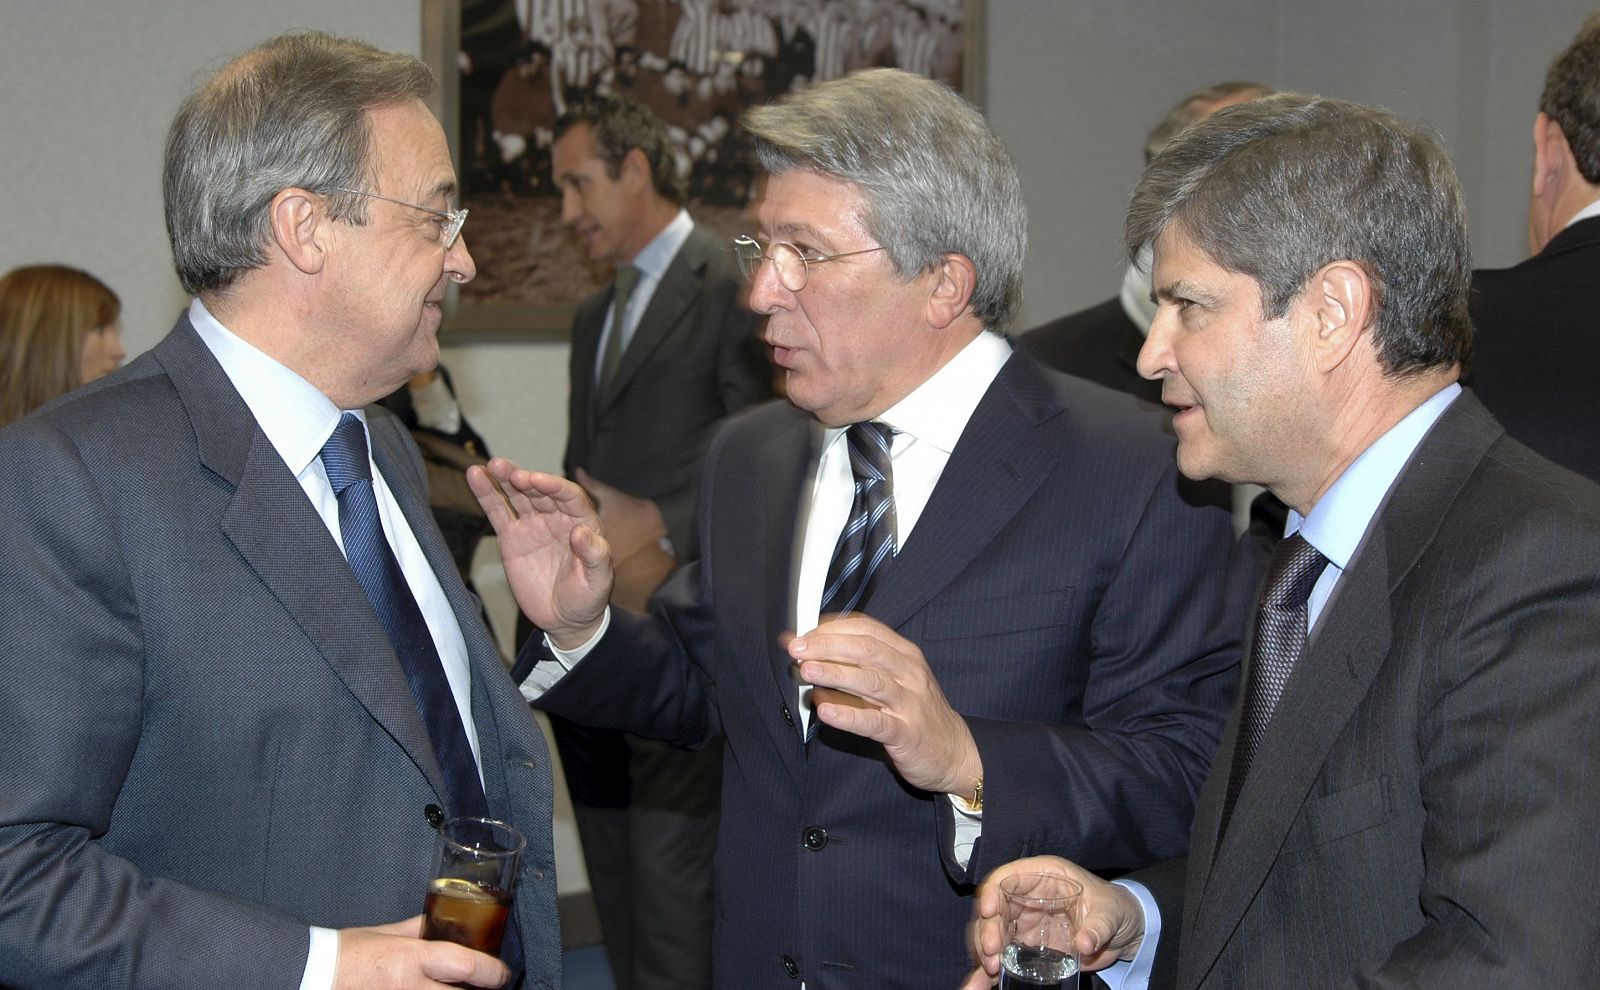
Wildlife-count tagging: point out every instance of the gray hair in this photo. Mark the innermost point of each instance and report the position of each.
(933, 177)
(1571, 97)
(1196, 106)
(291, 112)
(1277, 188)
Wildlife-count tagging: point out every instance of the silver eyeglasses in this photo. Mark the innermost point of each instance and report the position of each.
(450, 221)
(792, 264)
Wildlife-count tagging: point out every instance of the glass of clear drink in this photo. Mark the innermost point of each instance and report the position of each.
(1042, 912)
(475, 862)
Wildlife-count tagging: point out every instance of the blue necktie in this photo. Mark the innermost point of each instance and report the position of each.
(866, 544)
(344, 457)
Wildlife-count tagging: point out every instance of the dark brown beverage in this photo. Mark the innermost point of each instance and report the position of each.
(466, 913)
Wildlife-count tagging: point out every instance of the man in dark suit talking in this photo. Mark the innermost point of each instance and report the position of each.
(244, 681)
(1406, 795)
(1025, 594)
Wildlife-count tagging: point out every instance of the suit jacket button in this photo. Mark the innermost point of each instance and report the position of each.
(787, 715)
(791, 967)
(814, 837)
(433, 814)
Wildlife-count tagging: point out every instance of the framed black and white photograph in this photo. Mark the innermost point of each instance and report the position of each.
(509, 68)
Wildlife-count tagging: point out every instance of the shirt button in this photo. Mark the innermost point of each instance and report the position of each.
(814, 837)
(791, 967)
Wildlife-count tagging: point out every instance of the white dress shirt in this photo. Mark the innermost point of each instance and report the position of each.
(298, 419)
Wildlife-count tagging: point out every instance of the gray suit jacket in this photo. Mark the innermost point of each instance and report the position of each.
(1422, 811)
(210, 743)
(694, 360)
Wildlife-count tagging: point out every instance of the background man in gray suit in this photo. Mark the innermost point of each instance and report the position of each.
(227, 747)
(1408, 798)
(654, 371)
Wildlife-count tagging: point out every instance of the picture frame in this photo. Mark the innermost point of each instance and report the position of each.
(507, 68)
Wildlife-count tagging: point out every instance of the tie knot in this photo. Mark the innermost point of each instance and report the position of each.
(627, 278)
(344, 456)
(869, 450)
(1296, 565)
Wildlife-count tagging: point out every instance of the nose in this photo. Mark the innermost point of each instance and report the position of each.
(767, 292)
(1156, 359)
(458, 263)
(570, 209)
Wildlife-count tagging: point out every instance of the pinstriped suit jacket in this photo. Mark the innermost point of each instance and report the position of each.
(1069, 602)
(210, 744)
(1423, 810)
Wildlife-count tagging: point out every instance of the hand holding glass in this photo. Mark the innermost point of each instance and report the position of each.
(1042, 912)
(475, 863)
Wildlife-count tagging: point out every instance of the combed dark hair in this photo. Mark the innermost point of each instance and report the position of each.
(1190, 109)
(621, 124)
(1279, 187)
(291, 112)
(933, 176)
(1571, 97)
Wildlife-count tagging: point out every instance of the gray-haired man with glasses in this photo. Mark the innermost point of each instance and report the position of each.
(949, 606)
(244, 680)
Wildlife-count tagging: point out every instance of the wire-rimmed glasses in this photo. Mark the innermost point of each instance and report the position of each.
(792, 264)
(449, 228)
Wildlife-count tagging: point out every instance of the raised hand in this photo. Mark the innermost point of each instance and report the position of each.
(557, 563)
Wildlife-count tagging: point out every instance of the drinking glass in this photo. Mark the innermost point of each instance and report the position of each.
(1042, 912)
(475, 864)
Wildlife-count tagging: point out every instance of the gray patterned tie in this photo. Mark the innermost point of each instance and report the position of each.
(866, 544)
(622, 291)
(1280, 635)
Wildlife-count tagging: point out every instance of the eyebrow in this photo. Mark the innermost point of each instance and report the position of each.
(1181, 289)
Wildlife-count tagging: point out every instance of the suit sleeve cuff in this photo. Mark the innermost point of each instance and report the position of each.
(544, 676)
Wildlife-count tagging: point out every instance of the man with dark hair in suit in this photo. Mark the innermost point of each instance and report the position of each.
(1102, 343)
(1406, 795)
(993, 570)
(244, 682)
(1539, 322)
(660, 357)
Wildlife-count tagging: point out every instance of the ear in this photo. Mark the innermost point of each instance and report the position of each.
(1549, 154)
(1340, 303)
(955, 277)
(299, 222)
(635, 169)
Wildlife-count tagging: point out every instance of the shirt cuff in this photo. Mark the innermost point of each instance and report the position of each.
(969, 827)
(544, 676)
(321, 961)
(1134, 974)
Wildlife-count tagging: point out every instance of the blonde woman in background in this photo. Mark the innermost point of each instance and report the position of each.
(58, 330)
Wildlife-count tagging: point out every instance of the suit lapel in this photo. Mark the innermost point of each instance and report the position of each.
(995, 468)
(787, 467)
(279, 535)
(679, 287)
(1349, 647)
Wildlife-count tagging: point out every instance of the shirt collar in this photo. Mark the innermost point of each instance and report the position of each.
(652, 262)
(296, 417)
(1592, 210)
(937, 410)
(1341, 517)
